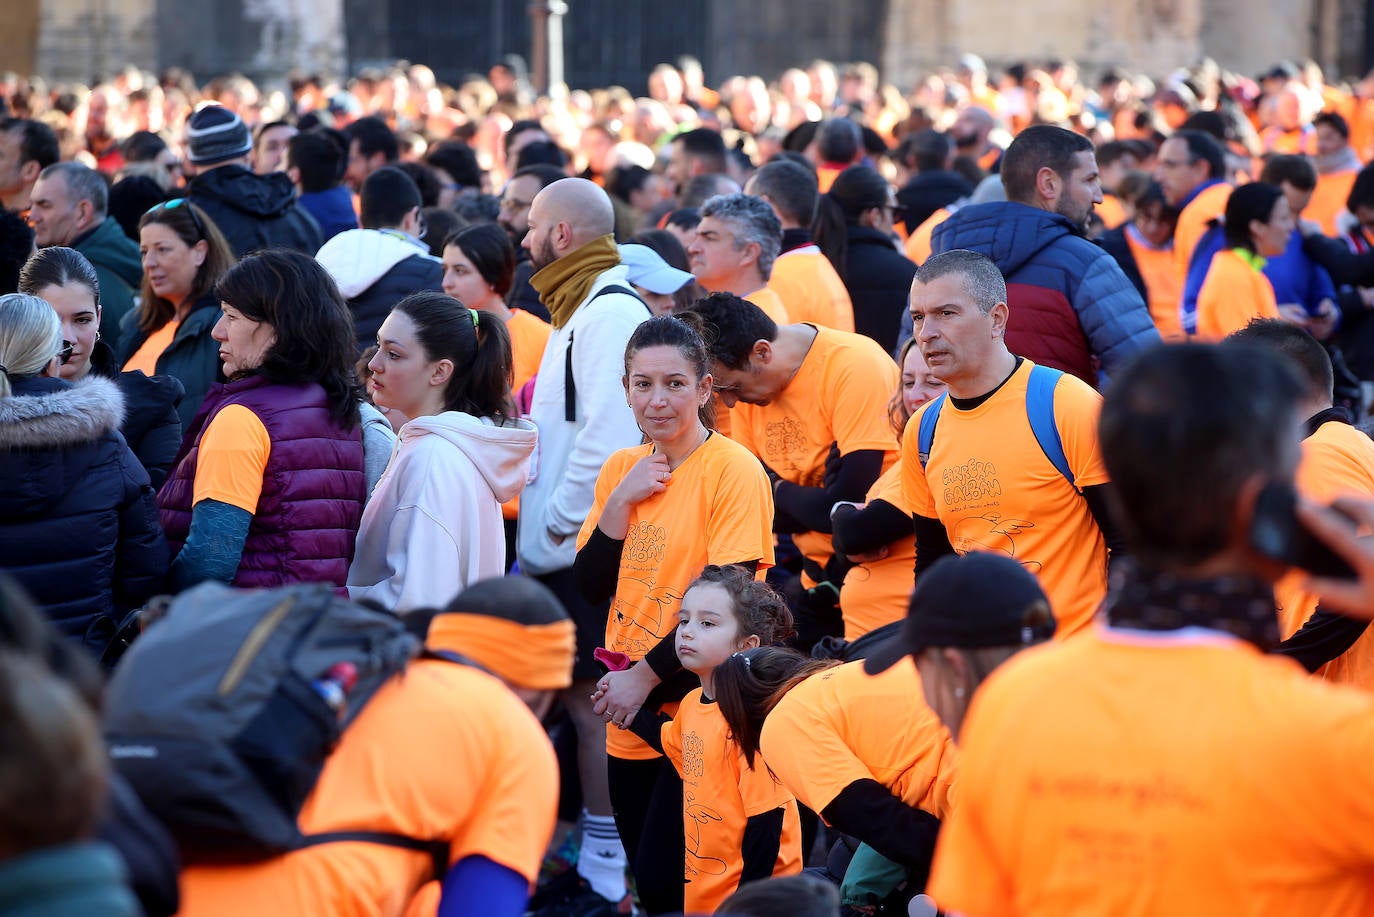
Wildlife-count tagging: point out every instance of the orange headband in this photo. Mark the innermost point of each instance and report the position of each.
(538, 656)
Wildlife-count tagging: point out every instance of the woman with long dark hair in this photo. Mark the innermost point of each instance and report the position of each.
(433, 526)
(269, 486)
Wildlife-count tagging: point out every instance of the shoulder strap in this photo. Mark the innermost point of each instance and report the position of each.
(569, 386)
(1040, 411)
(438, 851)
(925, 433)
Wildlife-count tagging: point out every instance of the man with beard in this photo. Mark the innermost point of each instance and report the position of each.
(583, 416)
(515, 219)
(1071, 306)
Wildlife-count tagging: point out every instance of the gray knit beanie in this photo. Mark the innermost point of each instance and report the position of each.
(215, 134)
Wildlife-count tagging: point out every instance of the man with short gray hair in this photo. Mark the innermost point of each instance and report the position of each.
(737, 241)
(69, 206)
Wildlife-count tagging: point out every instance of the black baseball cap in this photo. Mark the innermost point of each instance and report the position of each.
(969, 601)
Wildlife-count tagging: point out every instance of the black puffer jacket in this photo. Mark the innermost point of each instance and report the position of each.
(878, 278)
(78, 524)
(255, 211)
(151, 426)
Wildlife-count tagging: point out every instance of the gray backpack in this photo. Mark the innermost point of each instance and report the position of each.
(222, 715)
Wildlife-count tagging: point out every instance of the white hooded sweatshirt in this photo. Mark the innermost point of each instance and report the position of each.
(433, 526)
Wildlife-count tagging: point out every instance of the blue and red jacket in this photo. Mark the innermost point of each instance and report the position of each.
(1070, 304)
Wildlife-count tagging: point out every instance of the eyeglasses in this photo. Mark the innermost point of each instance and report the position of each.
(173, 204)
(514, 204)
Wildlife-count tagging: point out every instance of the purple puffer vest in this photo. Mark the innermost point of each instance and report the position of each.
(313, 488)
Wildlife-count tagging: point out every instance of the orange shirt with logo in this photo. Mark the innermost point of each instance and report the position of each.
(837, 398)
(842, 725)
(878, 592)
(720, 793)
(1153, 774)
(810, 290)
(990, 483)
(717, 509)
(443, 752)
(1337, 460)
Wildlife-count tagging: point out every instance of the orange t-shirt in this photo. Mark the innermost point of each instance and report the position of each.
(918, 243)
(234, 450)
(528, 335)
(843, 725)
(1157, 269)
(838, 397)
(1111, 211)
(443, 752)
(810, 289)
(718, 509)
(1337, 460)
(990, 483)
(720, 793)
(1233, 293)
(1139, 773)
(771, 304)
(1328, 199)
(145, 358)
(878, 592)
(1193, 222)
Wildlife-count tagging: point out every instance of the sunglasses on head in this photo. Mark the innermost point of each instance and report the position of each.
(173, 204)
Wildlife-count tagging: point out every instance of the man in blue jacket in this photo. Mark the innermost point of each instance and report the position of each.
(1071, 307)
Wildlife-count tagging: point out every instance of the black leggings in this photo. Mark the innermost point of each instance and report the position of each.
(647, 799)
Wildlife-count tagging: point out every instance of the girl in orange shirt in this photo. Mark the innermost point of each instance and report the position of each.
(739, 823)
(1258, 225)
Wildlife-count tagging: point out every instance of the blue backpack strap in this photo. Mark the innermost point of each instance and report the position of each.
(925, 433)
(1040, 412)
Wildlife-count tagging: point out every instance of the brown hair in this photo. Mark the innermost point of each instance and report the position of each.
(191, 225)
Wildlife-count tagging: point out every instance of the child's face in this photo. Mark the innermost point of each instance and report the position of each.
(708, 632)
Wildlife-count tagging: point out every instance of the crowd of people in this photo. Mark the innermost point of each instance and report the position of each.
(427, 500)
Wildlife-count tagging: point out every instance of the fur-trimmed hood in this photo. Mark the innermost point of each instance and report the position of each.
(52, 436)
(50, 413)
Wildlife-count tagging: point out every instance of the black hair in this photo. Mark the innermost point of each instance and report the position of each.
(1153, 423)
(1037, 147)
(477, 345)
(791, 189)
(544, 152)
(1298, 171)
(1362, 191)
(1109, 152)
(1335, 121)
(706, 145)
(795, 896)
(16, 243)
(1254, 201)
(426, 181)
(478, 208)
(142, 146)
(313, 325)
(489, 248)
(1205, 147)
(518, 128)
(374, 136)
(521, 599)
(748, 686)
(318, 158)
(680, 331)
(1298, 345)
(388, 194)
(928, 149)
(37, 141)
(457, 159)
(855, 190)
(687, 218)
(546, 173)
(838, 140)
(623, 181)
(731, 326)
(57, 266)
(440, 224)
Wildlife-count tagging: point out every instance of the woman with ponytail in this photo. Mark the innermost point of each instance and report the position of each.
(433, 526)
(854, 227)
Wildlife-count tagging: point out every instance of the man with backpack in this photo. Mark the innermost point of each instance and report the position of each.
(310, 759)
(1011, 463)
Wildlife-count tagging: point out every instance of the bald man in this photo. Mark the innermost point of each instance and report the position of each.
(583, 416)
